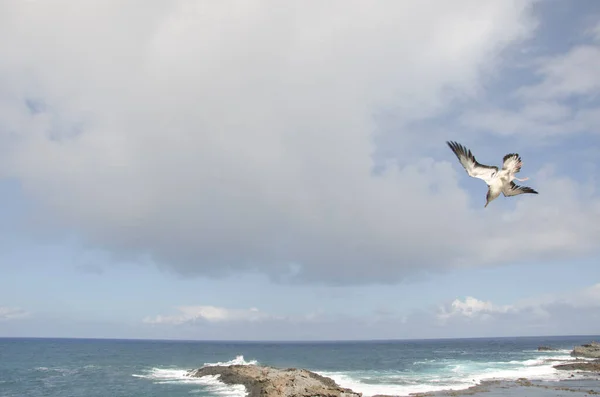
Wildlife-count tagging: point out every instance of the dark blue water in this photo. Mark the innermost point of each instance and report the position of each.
(94, 368)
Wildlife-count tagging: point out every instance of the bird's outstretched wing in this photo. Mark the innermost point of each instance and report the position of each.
(513, 189)
(512, 163)
(473, 168)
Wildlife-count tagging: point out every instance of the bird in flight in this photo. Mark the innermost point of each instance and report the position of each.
(497, 181)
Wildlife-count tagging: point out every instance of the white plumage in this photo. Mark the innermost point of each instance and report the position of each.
(497, 181)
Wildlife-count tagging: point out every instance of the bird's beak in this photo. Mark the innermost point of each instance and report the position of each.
(486, 204)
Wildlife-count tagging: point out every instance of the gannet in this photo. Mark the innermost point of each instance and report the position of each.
(497, 181)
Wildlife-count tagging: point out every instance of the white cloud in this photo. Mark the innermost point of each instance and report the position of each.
(595, 31)
(217, 138)
(210, 314)
(561, 313)
(545, 109)
(12, 313)
(527, 122)
(530, 312)
(471, 307)
(566, 75)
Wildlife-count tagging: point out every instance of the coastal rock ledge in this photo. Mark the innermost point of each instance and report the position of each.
(591, 350)
(264, 381)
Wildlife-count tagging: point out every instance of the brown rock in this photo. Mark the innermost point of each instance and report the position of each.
(263, 381)
(592, 366)
(591, 350)
(546, 348)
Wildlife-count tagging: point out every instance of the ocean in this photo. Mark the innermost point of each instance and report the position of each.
(131, 368)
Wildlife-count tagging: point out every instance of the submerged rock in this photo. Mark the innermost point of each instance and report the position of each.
(590, 350)
(263, 381)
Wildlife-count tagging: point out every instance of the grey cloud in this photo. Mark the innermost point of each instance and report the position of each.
(214, 139)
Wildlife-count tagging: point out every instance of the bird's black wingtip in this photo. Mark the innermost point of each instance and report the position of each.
(459, 150)
(454, 146)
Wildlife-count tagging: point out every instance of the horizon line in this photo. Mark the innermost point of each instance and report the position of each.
(294, 340)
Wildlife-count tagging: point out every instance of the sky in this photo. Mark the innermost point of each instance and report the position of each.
(251, 171)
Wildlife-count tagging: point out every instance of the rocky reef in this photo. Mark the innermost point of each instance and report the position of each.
(590, 350)
(546, 349)
(589, 366)
(264, 381)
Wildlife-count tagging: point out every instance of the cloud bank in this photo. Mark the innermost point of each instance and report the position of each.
(12, 313)
(546, 108)
(567, 313)
(564, 313)
(210, 314)
(219, 137)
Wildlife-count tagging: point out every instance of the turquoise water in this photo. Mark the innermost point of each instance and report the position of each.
(119, 368)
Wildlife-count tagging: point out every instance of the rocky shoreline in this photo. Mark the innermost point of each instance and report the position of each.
(587, 351)
(266, 381)
(590, 350)
(588, 366)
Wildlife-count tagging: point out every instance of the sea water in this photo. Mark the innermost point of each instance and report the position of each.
(119, 368)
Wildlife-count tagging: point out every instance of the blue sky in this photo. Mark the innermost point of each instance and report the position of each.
(230, 171)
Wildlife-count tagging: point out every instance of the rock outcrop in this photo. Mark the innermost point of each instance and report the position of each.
(263, 381)
(546, 349)
(591, 366)
(590, 350)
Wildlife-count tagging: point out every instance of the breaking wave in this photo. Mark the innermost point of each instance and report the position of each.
(436, 375)
(208, 384)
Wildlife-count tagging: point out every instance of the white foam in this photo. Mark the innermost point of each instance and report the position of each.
(210, 383)
(238, 360)
(396, 389)
(540, 372)
(456, 376)
(162, 373)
